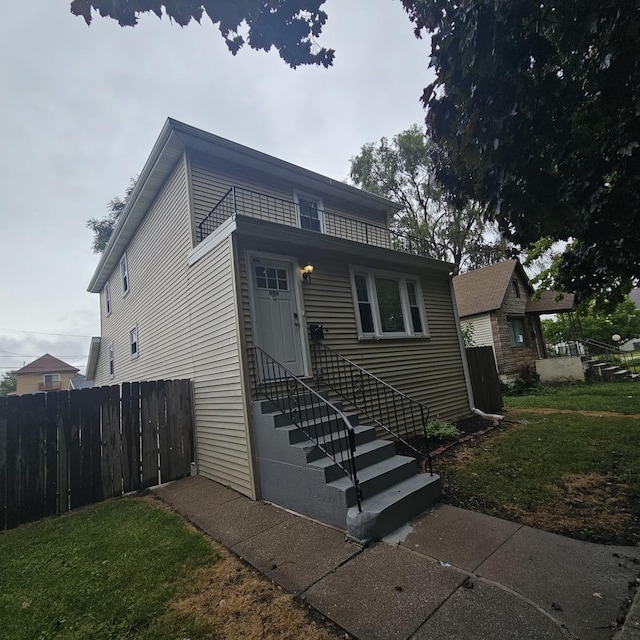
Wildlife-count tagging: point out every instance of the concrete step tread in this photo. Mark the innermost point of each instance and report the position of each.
(397, 491)
(358, 429)
(361, 449)
(312, 423)
(375, 470)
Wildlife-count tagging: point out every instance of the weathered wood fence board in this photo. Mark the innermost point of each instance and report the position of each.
(485, 383)
(66, 449)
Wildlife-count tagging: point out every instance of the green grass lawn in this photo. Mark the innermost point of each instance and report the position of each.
(569, 473)
(618, 397)
(130, 568)
(106, 571)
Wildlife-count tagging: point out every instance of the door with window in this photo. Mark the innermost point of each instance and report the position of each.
(276, 317)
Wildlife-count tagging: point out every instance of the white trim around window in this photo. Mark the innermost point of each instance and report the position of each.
(107, 297)
(387, 304)
(309, 211)
(124, 275)
(112, 366)
(134, 344)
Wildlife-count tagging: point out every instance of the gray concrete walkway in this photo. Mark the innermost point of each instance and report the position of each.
(452, 574)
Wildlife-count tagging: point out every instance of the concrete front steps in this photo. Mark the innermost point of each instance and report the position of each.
(294, 473)
(608, 372)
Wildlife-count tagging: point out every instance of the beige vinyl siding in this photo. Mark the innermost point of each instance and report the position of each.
(427, 369)
(187, 328)
(156, 301)
(222, 431)
(211, 180)
(482, 333)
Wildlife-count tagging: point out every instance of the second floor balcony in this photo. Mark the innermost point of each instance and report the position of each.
(305, 214)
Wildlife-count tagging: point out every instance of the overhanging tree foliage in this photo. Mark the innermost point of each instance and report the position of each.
(534, 107)
(103, 227)
(623, 320)
(290, 26)
(403, 169)
(537, 108)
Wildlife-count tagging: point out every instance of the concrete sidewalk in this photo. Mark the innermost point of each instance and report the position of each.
(451, 574)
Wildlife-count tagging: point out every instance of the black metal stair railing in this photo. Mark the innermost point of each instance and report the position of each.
(244, 202)
(320, 420)
(391, 410)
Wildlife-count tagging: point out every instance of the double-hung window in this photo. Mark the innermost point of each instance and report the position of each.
(388, 305)
(124, 274)
(107, 297)
(112, 368)
(133, 342)
(310, 213)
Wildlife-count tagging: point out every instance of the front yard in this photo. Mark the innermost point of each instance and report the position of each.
(129, 568)
(566, 459)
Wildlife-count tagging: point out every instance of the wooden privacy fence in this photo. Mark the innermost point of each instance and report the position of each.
(485, 383)
(66, 449)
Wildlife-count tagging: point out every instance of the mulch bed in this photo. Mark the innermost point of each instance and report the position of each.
(470, 427)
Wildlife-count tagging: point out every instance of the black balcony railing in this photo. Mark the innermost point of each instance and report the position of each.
(402, 417)
(243, 202)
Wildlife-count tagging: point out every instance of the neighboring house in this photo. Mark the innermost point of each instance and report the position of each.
(79, 382)
(503, 309)
(222, 249)
(44, 374)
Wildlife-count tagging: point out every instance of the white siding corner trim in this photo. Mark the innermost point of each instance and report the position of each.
(212, 241)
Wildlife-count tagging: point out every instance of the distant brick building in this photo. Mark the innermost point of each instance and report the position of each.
(503, 309)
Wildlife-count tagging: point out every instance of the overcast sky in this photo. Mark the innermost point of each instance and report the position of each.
(82, 106)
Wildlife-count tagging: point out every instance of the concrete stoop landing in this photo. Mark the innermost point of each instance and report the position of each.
(295, 474)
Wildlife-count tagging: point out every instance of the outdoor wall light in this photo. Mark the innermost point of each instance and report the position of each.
(307, 270)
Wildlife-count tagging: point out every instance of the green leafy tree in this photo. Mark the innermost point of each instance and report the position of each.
(103, 227)
(534, 111)
(7, 383)
(403, 169)
(289, 26)
(596, 323)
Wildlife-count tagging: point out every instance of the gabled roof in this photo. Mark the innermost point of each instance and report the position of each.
(174, 138)
(483, 290)
(546, 302)
(46, 364)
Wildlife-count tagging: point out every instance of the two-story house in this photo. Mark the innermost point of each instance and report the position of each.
(254, 277)
(46, 373)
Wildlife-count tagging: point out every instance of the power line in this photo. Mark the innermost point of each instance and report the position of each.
(42, 333)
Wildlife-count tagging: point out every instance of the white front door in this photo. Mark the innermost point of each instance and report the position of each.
(276, 315)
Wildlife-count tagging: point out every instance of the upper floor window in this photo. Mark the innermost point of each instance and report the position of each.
(51, 382)
(389, 305)
(124, 274)
(133, 342)
(107, 297)
(515, 286)
(310, 212)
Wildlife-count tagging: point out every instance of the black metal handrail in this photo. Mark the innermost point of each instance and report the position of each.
(316, 416)
(238, 201)
(393, 411)
(614, 353)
